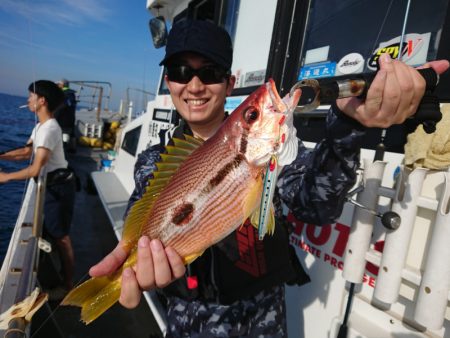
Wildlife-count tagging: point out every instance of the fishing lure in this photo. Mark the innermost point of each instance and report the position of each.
(266, 217)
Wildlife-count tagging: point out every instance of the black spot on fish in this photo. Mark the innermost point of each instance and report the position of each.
(183, 214)
(215, 181)
(244, 142)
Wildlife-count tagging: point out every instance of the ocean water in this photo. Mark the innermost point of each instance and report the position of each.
(15, 128)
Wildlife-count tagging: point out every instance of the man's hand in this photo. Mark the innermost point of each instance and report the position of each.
(156, 268)
(393, 96)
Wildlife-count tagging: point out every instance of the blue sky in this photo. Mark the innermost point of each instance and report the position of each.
(101, 40)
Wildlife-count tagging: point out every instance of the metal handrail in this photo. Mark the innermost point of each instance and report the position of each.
(129, 103)
(97, 85)
(17, 326)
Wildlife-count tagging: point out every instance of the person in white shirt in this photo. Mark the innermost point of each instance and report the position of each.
(45, 147)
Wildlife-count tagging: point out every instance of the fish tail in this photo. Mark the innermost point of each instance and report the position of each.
(95, 296)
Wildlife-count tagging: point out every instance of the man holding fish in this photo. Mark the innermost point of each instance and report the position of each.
(198, 200)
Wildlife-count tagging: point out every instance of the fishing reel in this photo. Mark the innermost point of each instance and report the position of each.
(389, 219)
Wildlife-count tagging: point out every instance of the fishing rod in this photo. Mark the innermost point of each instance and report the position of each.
(317, 92)
(17, 148)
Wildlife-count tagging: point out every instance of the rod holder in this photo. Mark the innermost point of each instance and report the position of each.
(397, 242)
(432, 294)
(362, 223)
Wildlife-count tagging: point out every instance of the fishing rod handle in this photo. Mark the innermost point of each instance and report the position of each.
(428, 112)
(339, 87)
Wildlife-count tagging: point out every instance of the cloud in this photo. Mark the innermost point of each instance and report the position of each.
(56, 11)
(10, 42)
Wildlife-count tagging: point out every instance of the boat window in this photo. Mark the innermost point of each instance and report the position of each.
(252, 35)
(131, 140)
(347, 36)
(163, 89)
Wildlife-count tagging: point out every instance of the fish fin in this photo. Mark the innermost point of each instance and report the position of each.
(170, 162)
(95, 296)
(253, 199)
(158, 182)
(254, 218)
(193, 140)
(163, 174)
(98, 294)
(186, 144)
(173, 158)
(137, 216)
(271, 222)
(162, 166)
(181, 149)
(192, 257)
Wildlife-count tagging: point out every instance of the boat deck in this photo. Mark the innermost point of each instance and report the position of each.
(92, 238)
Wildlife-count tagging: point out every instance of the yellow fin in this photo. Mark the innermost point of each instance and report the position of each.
(156, 182)
(271, 222)
(163, 174)
(95, 296)
(177, 150)
(141, 210)
(193, 140)
(187, 146)
(253, 198)
(98, 294)
(189, 259)
(162, 166)
(173, 158)
(179, 143)
(137, 216)
(254, 219)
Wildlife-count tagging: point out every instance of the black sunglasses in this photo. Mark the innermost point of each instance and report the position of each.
(207, 74)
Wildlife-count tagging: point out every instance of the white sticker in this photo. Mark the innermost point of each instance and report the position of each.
(350, 64)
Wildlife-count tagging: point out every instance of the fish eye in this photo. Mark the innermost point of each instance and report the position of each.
(251, 115)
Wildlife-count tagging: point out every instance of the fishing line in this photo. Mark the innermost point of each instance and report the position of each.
(388, 11)
(343, 328)
(52, 312)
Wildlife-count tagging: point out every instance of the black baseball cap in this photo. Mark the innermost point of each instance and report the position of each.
(202, 37)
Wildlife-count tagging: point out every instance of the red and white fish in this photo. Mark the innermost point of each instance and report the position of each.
(203, 191)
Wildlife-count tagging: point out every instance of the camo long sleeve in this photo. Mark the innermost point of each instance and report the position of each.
(143, 171)
(315, 184)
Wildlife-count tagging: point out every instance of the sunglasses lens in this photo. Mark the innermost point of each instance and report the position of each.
(208, 74)
(180, 74)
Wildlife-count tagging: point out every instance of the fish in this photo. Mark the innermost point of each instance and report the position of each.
(203, 190)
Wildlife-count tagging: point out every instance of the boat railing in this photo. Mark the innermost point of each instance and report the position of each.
(127, 106)
(93, 94)
(18, 325)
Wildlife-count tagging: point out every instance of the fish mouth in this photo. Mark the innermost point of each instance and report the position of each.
(277, 102)
(285, 104)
